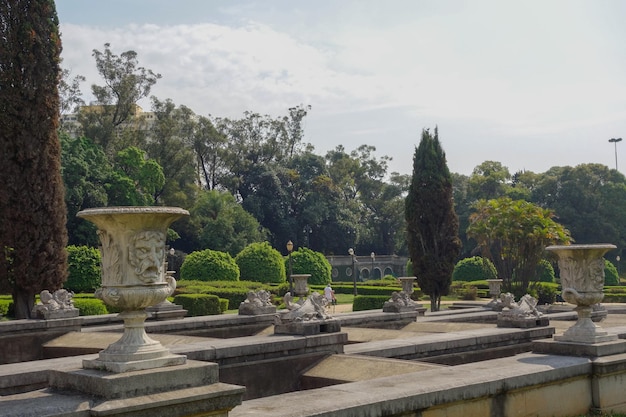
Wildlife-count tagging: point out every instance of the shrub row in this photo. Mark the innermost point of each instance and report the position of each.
(368, 302)
(362, 289)
(201, 304)
(90, 306)
(233, 291)
(5, 305)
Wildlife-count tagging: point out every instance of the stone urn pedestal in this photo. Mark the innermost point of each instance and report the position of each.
(407, 288)
(495, 286)
(582, 281)
(137, 376)
(300, 285)
(133, 278)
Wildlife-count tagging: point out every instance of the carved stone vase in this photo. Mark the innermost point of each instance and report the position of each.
(407, 284)
(582, 281)
(300, 282)
(495, 286)
(133, 278)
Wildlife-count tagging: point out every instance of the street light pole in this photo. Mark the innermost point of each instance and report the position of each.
(373, 256)
(289, 250)
(614, 141)
(351, 252)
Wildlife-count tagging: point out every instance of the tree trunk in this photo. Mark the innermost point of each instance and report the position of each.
(435, 302)
(23, 303)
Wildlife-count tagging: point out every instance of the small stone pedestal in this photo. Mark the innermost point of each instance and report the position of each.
(192, 389)
(522, 322)
(166, 310)
(308, 328)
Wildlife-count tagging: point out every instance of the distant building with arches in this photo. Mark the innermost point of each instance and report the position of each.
(366, 267)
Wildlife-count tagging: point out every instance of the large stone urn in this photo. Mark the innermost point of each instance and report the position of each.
(133, 278)
(582, 282)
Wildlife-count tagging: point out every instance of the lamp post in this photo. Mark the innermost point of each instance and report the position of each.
(289, 250)
(307, 235)
(617, 258)
(170, 263)
(614, 141)
(373, 256)
(352, 254)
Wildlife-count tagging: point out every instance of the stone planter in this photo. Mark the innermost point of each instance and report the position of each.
(495, 286)
(133, 278)
(300, 282)
(582, 282)
(407, 284)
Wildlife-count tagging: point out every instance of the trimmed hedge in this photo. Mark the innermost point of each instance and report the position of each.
(199, 304)
(369, 302)
(361, 289)
(306, 261)
(90, 306)
(544, 292)
(234, 291)
(261, 262)
(83, 265)
(544, 272)
(610, 273)
(474, 268)
(5, 305)
(209, 265)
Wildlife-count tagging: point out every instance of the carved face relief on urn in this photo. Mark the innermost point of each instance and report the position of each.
(146, 253)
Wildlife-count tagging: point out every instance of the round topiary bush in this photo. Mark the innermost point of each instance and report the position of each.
(474, 269)
(260, 262)
(306, 261)
(544, 272)
(83, 269)
(610, 273)
(209, 265)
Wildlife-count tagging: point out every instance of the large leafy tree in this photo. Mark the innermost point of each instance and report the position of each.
(32, 212)
(589, 199)
(219, 223)
(125, 83)
(169, 144)
(488, 180)
(257, 140)
(87, 176)
(432, 224)
(513, 235)
(145, 174)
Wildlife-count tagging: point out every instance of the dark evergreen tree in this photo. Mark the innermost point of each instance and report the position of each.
(32, 211)
(432, 224)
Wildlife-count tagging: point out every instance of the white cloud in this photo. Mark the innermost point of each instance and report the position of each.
(493, 75)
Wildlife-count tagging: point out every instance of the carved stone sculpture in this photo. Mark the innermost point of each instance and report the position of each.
(526, 307)
(259, 302)
(399, 302)
(310, 309)
(305, 317)
(55, 306)
(522, 314)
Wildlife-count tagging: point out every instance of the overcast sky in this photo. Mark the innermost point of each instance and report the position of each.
(531, 84)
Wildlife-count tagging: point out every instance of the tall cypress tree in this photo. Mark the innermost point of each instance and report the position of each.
(33, 235)
(432, 224)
